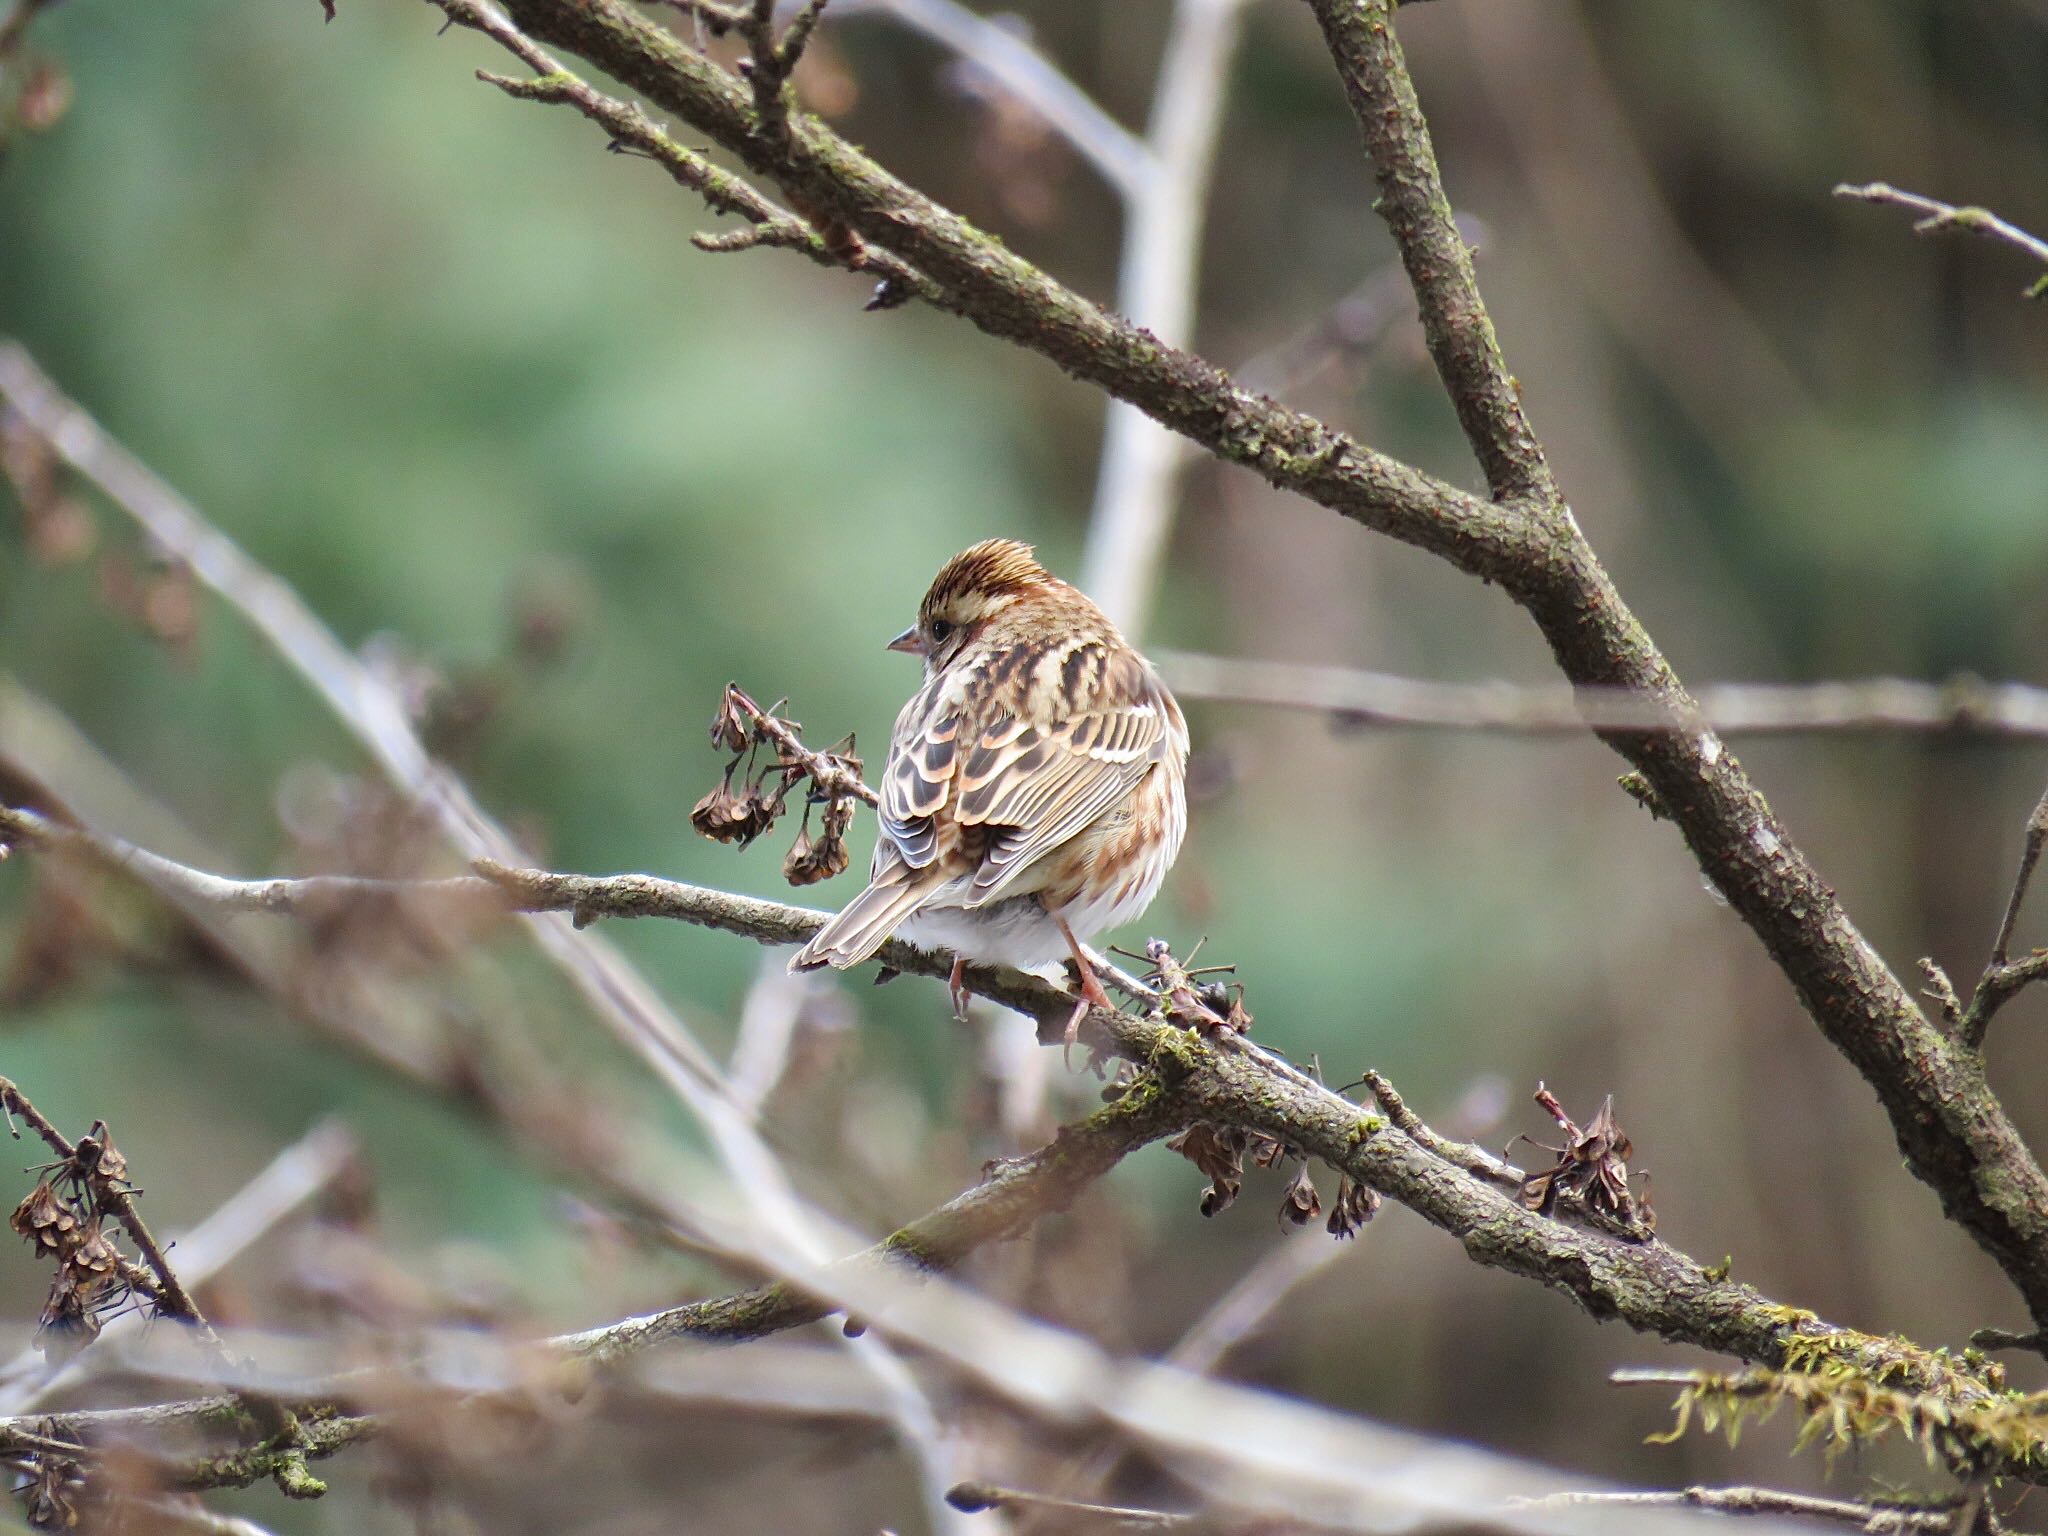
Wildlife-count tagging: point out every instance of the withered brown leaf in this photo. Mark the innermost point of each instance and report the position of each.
(1218, 1151)
(49, 1221)
(1355, 1205)
(1301, 1204)
(1592, 1164)
(809, 861)
(729, 816)
(729, 728)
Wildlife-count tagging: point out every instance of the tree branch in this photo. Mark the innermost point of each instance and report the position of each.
(1952, 1128)
(1900, 1519)
(1227, 1080)
(1360, 35)
(1020, 70)
(1960, 705)
(1935, 215)
(1015, 1194)
(1954, 1133)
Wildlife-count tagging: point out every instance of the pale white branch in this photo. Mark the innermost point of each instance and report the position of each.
(1961, 704)
(1162, 246)
(1018, 69)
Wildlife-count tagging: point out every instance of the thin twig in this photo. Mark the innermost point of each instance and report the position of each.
(771, 58)
(372, 709)
(1878, 1519)
(2004, 978)
(1019, 70)
(1473, 1160)
(1072, 1514)
(1933, 215)
(767, 223)
(1962, 705)
(1235, 1082)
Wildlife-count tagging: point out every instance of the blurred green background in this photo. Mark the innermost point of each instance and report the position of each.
(458, 376)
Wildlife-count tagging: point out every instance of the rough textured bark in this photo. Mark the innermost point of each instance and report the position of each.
(1950, 1126)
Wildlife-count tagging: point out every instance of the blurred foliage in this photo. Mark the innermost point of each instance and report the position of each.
(458, 376)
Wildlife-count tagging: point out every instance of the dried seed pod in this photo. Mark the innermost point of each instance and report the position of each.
(1218, 1150)
(1301, 1204)
(729, 726)
(727, 817)
(71, 1316)
(49, 1221)
(1355, 1205)
(810, 861)
(50, 1493)
(95, 1260)
(99, 1159)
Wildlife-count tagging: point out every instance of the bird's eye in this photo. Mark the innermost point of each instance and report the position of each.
(941, 628)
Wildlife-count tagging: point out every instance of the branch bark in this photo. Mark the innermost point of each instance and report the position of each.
(1950, 1126)
(1649, 1285)
(1013, 1196)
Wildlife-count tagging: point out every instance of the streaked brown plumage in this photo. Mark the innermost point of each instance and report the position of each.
(1033, 794)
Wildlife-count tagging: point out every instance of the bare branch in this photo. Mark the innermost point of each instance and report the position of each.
(1935, 215)
(1228, 1080)
(1961, 705)
(631, 128)
(1942, 1110)
(619, 996)
(1162, 246)
(1072, 1514)
(1360, 34)
(1020, 70)
(2004, 978)
(1880, 1518)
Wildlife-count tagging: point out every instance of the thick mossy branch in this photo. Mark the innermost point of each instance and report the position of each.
(1952, 1129)
(1645, 1283)
(979, 278)
(1842, 1409)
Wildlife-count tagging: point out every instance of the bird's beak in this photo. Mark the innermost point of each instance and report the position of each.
(910, 642)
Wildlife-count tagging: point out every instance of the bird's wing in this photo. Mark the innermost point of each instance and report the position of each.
(857, 930)
(917, 781)
(1036, 784)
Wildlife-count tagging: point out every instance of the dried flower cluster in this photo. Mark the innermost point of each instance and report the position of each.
(1219, 1152)
(739, 815)
(64, 1218)
(1190, 1004)
(1592, 1164)
(50, 1488)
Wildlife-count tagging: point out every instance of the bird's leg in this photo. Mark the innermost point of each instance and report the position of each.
(956, 989)
(1092, 995)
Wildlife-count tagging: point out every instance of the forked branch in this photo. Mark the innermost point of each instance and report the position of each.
(1951, 1127)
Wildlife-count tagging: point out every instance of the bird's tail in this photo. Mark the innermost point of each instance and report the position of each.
(857, 930)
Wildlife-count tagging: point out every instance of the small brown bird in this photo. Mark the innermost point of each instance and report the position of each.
(1034, 792)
